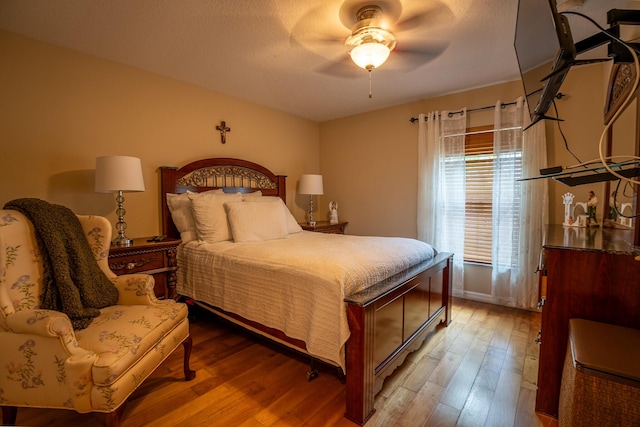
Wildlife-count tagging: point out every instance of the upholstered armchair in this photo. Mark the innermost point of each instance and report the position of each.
(45, 363)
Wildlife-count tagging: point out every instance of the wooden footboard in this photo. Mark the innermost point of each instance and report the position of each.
(388, 322)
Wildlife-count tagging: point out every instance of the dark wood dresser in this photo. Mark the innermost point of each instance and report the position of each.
(593, 274)
(155, 258)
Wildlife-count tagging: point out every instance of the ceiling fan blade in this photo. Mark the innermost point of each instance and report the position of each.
(423, 48)
(311, 41)
(343, 68)
(438, 13)
(413, 56)
(412, 22)
(318, 26)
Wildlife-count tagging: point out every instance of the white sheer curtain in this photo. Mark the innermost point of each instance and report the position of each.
(519, 207)
(441, 186)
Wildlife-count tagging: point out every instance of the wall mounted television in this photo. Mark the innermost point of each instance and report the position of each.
(545, 51)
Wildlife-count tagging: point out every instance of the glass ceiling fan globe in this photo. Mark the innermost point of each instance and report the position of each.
(370, 55)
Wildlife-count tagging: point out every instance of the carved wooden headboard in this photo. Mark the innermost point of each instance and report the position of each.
(232, 175)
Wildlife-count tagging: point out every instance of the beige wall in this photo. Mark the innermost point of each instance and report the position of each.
(583, 113)
(61, 109)
(369, 161)
(369, 166)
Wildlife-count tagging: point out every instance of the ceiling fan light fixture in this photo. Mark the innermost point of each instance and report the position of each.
(370, 46)
(370, 55)
(370, 43)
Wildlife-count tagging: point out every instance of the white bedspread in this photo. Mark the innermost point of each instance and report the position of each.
(297, 284)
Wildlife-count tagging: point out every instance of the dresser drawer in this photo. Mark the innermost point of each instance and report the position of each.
(136, 263)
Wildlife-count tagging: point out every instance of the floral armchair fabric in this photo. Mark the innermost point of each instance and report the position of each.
(45, 363)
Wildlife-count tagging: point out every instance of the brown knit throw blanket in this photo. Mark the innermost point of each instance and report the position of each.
(73, 282)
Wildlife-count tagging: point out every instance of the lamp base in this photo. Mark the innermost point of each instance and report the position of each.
(121, 226)
(122, 242)
(310, 220)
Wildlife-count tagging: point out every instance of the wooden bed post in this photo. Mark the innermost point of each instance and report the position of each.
(168, 177)
(359, 361)
(447, 290)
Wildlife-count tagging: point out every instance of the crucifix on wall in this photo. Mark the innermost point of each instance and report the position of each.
(223, 128)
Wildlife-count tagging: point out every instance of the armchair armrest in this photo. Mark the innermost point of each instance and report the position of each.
(135, 289)
(46, 323)
(36, 338)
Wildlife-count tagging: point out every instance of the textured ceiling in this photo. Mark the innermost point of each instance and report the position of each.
(289, 54)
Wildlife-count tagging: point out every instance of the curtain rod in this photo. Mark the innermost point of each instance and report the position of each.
(472, 110)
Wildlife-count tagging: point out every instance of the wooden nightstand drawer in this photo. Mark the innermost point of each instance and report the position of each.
(155, 258)
(137, 263)
(326, 227)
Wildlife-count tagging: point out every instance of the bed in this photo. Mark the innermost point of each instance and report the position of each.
(362, 313)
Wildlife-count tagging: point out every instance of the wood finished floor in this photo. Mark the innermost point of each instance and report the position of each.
(480, 371)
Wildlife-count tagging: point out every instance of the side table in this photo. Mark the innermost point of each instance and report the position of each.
(325, 227)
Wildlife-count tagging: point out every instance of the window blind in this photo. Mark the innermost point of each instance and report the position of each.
(479, 163)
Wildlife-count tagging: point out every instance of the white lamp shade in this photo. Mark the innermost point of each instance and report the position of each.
(370, 55)
(118, 173)
(310, 184)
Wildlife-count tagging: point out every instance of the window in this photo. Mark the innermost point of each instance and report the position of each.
(480, 161)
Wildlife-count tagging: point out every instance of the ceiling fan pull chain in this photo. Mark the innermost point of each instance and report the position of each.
(370, 82)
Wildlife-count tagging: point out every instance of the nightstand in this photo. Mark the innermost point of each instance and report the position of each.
(325, 227)
(155, 258)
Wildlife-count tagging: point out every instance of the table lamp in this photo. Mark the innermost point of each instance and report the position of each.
(119, 174)
(312, 185)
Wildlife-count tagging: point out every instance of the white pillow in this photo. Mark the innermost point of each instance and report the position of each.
(180, 207)
(253, 221)
(252, 195)
(210, 216)
(292, 225)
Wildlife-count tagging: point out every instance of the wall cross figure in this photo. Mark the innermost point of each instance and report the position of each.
(223, 128)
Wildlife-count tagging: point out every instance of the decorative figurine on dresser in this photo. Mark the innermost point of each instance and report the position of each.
(592, 204)
(614, 208)
(333, 212)
(626, 215)
(620, 214)
(582, 214)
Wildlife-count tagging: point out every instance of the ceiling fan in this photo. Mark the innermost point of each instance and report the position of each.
(367, 31)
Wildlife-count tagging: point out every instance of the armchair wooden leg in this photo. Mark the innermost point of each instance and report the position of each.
(188, 373)
(9, 415)
(114, 418)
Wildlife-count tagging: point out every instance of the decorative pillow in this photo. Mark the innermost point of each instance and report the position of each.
(210, 216)
(180, 207)
(292, 225)
(253, 221)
